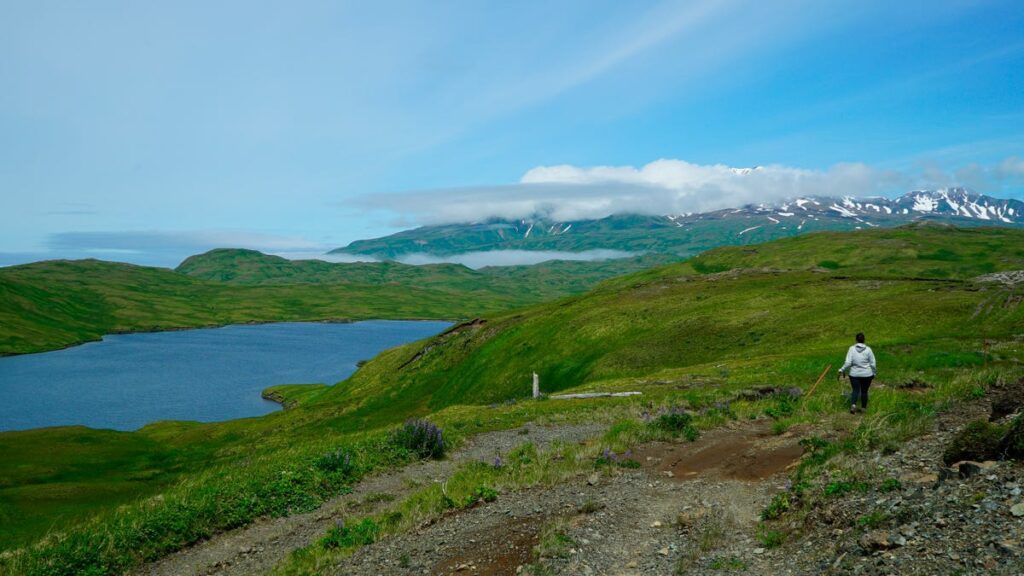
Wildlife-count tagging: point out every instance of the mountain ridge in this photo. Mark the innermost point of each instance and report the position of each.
(687, 234)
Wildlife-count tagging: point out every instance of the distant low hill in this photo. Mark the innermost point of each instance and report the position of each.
(684, 235)
(54, 304)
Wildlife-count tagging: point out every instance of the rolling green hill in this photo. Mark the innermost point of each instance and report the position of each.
(905, 286)
(690, 334)
(54, 304)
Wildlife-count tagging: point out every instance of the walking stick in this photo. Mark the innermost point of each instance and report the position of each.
(820, 378)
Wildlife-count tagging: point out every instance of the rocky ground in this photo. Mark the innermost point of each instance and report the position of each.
(257, 548)
(695, 509)
(689, 508)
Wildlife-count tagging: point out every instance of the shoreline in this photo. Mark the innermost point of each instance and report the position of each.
(4, 354)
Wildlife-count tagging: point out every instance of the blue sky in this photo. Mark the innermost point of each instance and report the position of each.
(147, 131)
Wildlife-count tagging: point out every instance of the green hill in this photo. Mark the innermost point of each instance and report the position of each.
(54, 304)
(693, 334)
(754, 306)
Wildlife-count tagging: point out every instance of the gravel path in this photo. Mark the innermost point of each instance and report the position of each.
(257, 548)
(632, 521)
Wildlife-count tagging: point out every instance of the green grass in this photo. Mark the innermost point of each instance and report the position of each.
(54, 304)
(686, 339)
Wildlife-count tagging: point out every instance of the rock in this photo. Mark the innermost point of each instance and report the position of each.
(758, 550)
(876, 540)
(592, 479)
(663, 551)
(632, 564)
(1017, 509)
(919, 478)
(690, 517)
(908, 531)
(967, 469)
(656, 524)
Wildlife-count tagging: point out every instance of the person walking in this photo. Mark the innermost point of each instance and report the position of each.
(860, 367)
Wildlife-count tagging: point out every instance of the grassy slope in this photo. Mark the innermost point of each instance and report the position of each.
(652, 234)
(527, 283)
(627, 232)
(901, 286)
(702, 334)
(54, 304)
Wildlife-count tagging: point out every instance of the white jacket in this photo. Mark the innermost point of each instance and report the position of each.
(860, 361)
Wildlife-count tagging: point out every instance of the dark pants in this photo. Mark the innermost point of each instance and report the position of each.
(860, 389)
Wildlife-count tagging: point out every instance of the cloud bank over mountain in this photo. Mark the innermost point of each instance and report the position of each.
(668, 186)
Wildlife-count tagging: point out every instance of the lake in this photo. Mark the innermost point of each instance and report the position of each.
(127, 381)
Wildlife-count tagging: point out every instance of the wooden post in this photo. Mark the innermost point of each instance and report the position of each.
(536, 385)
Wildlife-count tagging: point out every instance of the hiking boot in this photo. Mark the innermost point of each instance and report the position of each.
(853, 409)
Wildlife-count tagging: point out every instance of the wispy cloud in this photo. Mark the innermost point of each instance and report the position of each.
(486, 258)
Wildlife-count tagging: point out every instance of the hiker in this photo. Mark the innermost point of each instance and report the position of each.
(860, 361)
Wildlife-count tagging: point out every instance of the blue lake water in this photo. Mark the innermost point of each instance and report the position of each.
(127, 381)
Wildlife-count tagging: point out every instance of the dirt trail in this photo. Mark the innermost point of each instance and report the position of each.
(257, 548)
(632, 521)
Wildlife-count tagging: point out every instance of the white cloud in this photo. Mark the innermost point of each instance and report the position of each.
(1011, 167)
(485, 258)
(567, 192)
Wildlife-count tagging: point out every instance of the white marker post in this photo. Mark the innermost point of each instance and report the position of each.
(536, 385)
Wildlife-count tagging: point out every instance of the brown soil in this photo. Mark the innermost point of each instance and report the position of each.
(497, 553)
(746, 453)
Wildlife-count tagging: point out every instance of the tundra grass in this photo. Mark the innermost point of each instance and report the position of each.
(682, 337)
(55, 304)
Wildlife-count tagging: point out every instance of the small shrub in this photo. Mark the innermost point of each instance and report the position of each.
(590, 506)
(554, 542)
(829, 264)
(841, 487)
(890, 485)
(342, 536)
(609, 458)
(872, 520)
(1012, 444)
(979, 440)
(784, 406)
(779, 505)
(337, 462)
(771, 538)
(421, 437)
(676, 422)
(480, 494)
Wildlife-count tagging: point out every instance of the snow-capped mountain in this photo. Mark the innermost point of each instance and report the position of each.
(952, 203)
(689, 233)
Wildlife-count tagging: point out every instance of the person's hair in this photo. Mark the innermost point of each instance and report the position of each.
(860, 337)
